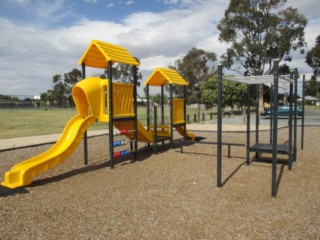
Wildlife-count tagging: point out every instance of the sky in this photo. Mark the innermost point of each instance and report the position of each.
(42, 38)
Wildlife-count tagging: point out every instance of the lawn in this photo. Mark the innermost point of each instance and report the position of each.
(21, 123)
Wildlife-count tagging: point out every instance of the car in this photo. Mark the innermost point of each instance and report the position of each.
(283, 111)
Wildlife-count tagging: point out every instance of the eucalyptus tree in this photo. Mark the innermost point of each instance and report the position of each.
(258, 34)
(196, 67)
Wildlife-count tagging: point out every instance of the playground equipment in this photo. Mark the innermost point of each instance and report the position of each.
(272, 147)
(101, 100)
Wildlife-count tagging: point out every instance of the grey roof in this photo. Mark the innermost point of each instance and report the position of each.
(262, 79)
(311, 98)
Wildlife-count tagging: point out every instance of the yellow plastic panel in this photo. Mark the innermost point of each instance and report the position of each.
(122, 100)
(161, 76)
(99, 53)
(178, 110)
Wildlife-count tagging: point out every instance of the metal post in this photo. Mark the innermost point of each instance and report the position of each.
(148, 109)
(257, 113)
(162, 104)
(290, 121)
(155, 129)
(271, 112)
(135, 106)
(219, 136)
(248, 125)
(162, 108)
(185, 113)
(171, 115)
(110, 93)
(295, 114)
(85, 136)
(302, 120)
(275, 129)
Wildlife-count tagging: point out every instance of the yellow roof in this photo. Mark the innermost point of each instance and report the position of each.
(99, 53)
(161, 76)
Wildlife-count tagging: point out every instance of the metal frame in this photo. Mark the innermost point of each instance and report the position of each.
(273, 147)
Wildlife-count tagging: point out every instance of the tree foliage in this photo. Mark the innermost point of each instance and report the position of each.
(60, 94)
(195, 67)
(233, 93)
(258, 34)
(313, 58)
(123, 73)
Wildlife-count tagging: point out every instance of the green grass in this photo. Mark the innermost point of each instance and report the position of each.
(22, 123)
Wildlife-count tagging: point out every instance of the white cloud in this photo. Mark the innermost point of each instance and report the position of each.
(110, 5)
(129, 2)
(19, 1)
(91, 1)
(30, 55)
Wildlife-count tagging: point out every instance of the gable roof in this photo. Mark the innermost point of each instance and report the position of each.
(99, 53)
(161, 76)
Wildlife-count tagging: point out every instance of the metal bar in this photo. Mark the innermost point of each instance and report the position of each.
(162, 104)
(110, 93)
(257, 112)
(248, 124)
(271, 112)
(155, 129)
(162, 107)
(295, 114)
(148, 109)
(185, 114)
(171, 115)
(135, 107)
(302, 120)
(85, 136)
(290, 122)
(275, 129)
(219, 135)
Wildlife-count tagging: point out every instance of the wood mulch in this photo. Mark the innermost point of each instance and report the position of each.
(166, 196)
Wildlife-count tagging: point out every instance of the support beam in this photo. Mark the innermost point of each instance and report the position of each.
(290, 121)
(110, 93)
(303, 99)
(219, 136)
(248, 124)
(295, 114)
(85, 136)
(135, 109)
(275, 129)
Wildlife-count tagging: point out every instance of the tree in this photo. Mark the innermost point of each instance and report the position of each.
(196, 67)
(313, 60)
(258, 35)
(233, 93)
(60, 94)
(123, 73)
(313, 87)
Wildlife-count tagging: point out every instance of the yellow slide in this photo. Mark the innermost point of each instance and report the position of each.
(143, 134)
(22, 173)
(180, 130)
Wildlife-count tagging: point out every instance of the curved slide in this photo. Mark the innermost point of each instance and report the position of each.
(22, 173)
(180, 130)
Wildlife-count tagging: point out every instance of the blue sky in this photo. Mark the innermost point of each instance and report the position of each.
(41, 38)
